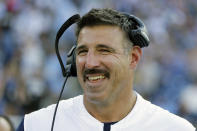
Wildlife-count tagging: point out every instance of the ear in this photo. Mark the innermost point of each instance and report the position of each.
(135, 56)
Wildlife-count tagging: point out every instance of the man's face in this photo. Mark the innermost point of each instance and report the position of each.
(103, 67)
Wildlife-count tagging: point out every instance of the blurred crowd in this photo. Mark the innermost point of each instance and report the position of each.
(30, 75)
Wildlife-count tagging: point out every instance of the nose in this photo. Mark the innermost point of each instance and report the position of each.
(92, 60)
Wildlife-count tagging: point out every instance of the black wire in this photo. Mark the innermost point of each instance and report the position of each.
(54, 115)
(66, 72)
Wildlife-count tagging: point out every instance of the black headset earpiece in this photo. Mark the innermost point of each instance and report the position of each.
(70, 63)
(70, 69)
(139, 35)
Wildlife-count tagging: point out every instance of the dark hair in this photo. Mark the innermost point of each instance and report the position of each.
(8, 120)
(105, 16)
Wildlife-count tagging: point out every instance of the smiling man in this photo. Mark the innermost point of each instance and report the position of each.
(105, 68)
(107, 54)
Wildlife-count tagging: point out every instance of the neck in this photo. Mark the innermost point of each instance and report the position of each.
(113, 111)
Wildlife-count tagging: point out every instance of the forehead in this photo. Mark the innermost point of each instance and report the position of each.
(101, 34)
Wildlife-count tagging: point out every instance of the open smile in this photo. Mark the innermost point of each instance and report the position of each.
(95, 80)
(93, 75)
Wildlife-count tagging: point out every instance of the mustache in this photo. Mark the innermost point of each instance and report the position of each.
(95, 71)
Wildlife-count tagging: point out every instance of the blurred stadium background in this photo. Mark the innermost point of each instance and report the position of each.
(30, 75)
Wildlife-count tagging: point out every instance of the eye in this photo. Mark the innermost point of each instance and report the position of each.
(82, 52)
(104, 51)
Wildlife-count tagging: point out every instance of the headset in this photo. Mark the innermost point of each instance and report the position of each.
(138, 36)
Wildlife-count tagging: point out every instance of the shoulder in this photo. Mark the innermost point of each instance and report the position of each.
(42, 118)
(162, 117)
(48, 111)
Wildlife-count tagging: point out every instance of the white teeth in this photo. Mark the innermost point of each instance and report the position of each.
(95, 77)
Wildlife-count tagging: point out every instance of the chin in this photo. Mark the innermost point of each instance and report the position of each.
(97, 100)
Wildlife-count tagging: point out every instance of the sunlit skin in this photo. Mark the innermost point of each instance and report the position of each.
(108, 94)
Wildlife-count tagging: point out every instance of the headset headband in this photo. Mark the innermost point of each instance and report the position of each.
(73, 19)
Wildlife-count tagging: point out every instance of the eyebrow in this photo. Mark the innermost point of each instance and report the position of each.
(98, 46)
